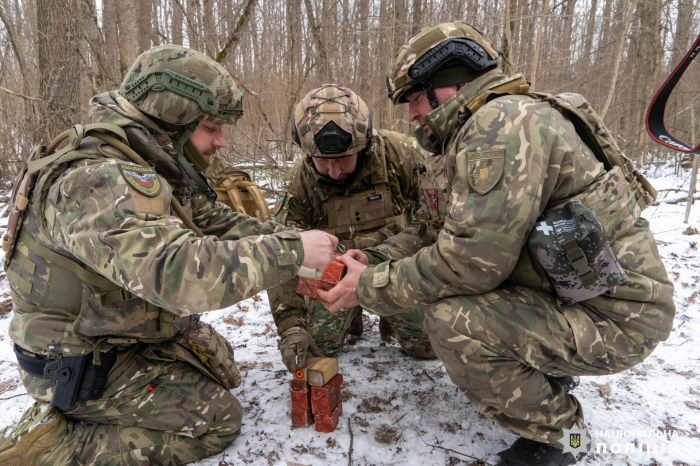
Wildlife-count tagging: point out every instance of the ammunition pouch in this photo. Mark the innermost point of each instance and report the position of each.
(214, 352)
(571, 246)
(77, 377)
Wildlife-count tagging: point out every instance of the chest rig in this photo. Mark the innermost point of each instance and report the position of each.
(85, 311)
(350, 216)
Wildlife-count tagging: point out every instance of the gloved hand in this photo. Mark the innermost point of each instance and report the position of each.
(296, 345)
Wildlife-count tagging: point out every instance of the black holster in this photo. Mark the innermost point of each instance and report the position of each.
(77, 378)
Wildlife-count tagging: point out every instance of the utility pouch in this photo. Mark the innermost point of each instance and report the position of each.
(214, 351)
(570, 244)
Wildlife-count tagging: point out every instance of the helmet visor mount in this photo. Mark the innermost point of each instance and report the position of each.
(451, 53)
(332, 139)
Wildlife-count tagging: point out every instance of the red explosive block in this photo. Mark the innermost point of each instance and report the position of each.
(329, 423)
(325, 399)
(299, 385)
(331, 276)
(302, 417)
(301, 400)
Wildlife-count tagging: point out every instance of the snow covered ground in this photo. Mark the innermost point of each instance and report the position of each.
(397, 410)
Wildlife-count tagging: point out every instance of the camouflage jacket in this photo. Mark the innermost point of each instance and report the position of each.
(85, 208)
(474, 224)
(307, 196)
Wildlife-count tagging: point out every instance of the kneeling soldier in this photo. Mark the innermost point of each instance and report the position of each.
(108, 275)
(358, 184)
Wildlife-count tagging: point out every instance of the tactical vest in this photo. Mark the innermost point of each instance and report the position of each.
(351, 217)
(92, 313)
(236, 190)
(617, 197)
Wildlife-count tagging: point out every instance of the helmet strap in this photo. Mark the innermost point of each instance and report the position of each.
(189, 174)
(430, 93)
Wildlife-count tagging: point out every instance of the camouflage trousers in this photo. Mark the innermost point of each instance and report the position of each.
(329, 330)
(500, 347)
(155, 410)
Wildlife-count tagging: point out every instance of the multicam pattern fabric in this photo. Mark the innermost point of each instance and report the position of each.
(418, 45)
(157, 409)
(466, 262)
(303, 204)
(178, 85)
(331, 103)
(155, 275)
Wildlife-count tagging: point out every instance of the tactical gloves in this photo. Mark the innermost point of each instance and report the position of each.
(296, 344)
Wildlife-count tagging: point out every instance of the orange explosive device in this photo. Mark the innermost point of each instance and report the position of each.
(310, 281)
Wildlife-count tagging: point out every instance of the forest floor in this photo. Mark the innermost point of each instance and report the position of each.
(398, 410)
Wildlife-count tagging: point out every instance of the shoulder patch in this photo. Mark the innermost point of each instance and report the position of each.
(484, 169)
(142, 179)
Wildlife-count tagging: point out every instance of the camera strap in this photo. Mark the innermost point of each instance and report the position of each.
(657, 109)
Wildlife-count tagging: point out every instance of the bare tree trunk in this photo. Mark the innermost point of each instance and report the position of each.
(589, 34)
(177, 23)
(417, 15)
(508, 24)
(322, 57)
(128, 35)
(144, 23)
(538, 44)
(111, 49)
(59, 64)
(624, 27)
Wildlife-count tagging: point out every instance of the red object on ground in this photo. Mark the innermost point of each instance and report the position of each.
(299, 385)
(331, 276)
(302, 417)
(301, 400)
(329, 423)
(325, 399)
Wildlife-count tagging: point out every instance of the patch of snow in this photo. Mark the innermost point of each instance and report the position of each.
(399, 410)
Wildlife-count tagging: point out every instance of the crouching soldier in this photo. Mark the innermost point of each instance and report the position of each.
(359, 184)
(531, 259)
(114, 247)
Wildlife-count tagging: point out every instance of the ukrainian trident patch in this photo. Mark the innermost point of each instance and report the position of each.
(484, 169)
(143, 179)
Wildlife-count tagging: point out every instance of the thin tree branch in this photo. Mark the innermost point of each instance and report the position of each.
(235, 35)
(26, 97)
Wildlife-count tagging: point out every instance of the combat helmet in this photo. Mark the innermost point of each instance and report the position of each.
(180, 85)
(331, 121)
(439, 56)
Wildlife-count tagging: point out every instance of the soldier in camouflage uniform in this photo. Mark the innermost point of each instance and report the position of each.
(360, 189)
(516, 294)
(108, 282)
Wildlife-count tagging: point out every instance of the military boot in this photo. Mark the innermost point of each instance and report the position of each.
(525, 452)
(386, 331)
(356, 328)
(40, 427)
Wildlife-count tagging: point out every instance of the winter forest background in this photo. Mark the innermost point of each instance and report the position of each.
(55, 55)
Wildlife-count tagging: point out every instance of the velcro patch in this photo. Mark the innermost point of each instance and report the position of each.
(484, 169)
(143, 179)
(375, 197)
